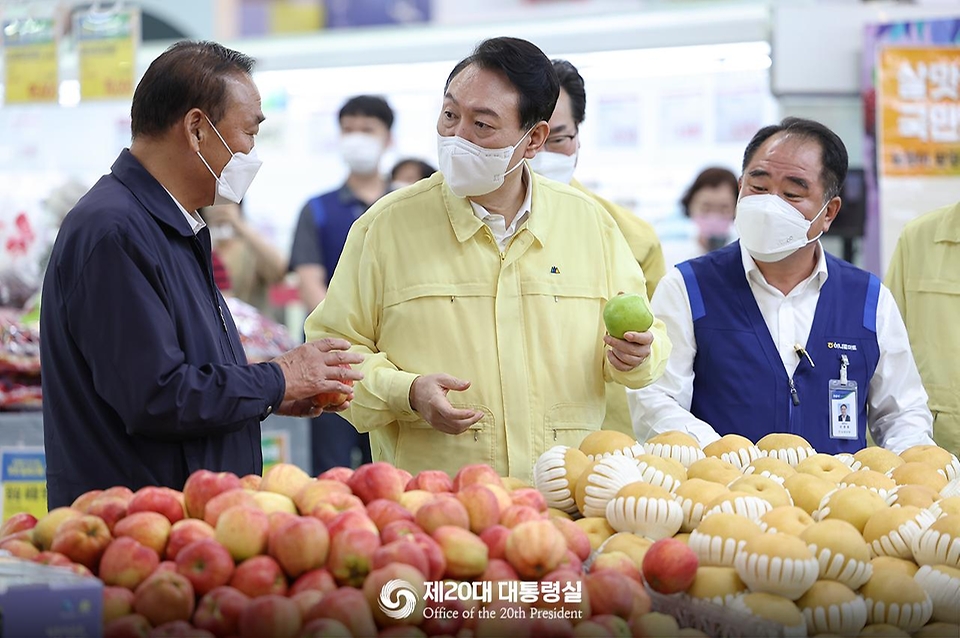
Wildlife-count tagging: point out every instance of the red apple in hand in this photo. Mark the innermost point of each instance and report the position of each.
(670, 566)
(332, 399)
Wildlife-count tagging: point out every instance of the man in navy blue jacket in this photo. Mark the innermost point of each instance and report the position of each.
(144, 376)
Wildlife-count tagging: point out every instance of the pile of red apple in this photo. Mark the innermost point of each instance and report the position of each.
(290, 555)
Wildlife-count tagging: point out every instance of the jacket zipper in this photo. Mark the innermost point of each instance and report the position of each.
(213, 295)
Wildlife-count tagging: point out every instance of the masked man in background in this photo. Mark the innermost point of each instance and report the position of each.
(144, 377)
(772, 334)
(557, 160)
(478, 293)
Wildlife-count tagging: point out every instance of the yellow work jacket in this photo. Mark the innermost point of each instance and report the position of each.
(423, 288)
(924, 277)
(645, 246)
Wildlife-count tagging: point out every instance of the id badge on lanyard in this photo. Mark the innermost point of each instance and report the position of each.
(844, 406)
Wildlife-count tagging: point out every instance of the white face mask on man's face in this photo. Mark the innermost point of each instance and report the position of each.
(471, 170)
(555, 166)
(771, 229)
(361, 152)
(236, 176)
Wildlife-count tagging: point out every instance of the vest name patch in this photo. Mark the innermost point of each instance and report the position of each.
(836, 345)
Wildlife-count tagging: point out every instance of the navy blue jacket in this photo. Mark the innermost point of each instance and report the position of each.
(144, 377)
(740, 384)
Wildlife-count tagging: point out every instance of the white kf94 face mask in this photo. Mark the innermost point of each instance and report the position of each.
(236, 176)
(555, 166)
(361, 152)
(471, 170)
(771, 229)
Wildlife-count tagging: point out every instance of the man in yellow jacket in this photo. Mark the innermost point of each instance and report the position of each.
(924, 277)
(477, 295)
(557, 160)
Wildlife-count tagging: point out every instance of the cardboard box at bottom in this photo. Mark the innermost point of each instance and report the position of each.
(41, 600)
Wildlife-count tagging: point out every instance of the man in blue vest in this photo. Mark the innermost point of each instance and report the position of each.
(772, 334)
(365, 123)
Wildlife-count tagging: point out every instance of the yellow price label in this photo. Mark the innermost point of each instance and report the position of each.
(23, 473)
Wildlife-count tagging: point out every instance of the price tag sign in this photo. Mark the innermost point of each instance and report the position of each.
(23, 478)
(276, 448)
(30, 55)
(107, 46)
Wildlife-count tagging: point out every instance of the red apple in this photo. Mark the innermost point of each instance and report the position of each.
(435, 556)
(47, 526)
(670, 566)
(317, 580)
(20, 548)
(127, 563)
(300, 545)
(535, 548)
(385, 595)
(479, 473)
(83, 501)
(251, 481)
(577, 540)
(164, 597)
(284, 478)
(129, 626)
(117, 602)
(219, 611)
(207, 565)
(52, 558)
(203, 485)
(332, 399)
(244, 531)
(306, 599)
(383, 512)
(443, 618)
(162, 500)
(334, 504)
(166, 566)
(83, 540)
(377, 480)
(184, 532)
(610, 593)
(341, 474)
(496, 539)
(442, 510)
(178, 629)
(110, 508)
(397, 530)
(517, 514)
(402, 551)
(497, 570)
(351, 555)
(551, 628)
(466, 554)
(224, 501)
(413, 500)
(351, 520)
(325, 628)
(150, 528)
(259, 576)
(572, 562)
(348, 606)
(271, 615)
(617, 561)
(315, 491)
(121, 491)
(435, 481)
(530, 497)
(612, 625)
(18, 523)
(482, 506)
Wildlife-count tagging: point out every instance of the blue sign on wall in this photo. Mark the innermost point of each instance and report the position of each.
(364, 13)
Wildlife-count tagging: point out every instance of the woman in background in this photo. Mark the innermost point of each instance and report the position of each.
(708, 207)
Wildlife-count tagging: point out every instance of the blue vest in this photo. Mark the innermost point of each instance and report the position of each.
(741, 386)
(333, 215)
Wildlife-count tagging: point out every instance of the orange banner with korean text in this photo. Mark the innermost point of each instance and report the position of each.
(919, 108)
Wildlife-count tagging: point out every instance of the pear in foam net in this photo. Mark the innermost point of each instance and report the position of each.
(897, 600)
(777, 564)
(770, 468)
(940, 459)
(555, 475)
(718, 585)
(830, 607)
(763, 487)
(714, 470)
(942, 584)
(603, 443)
(878, 459)
(646, 510)
(870, 479)
(787, 447)
(776, 609)
(854, 505)
(679, 446)
(737, 450)
(808, 491)
(694, 495)
(718, 538)
(890, 532)
(601, 481)
(786, 519)
(939, 544)
(825, 466)
(841, 552)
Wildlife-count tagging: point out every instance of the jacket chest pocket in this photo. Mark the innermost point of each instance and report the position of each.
(420, 446)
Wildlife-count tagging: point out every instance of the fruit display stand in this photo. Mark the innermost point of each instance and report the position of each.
(712, 619)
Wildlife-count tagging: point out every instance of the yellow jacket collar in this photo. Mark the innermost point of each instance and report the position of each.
(466, 224)
(949, 228)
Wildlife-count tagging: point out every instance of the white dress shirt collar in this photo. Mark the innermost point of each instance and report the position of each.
(754, 275)
(497, 223)
(196, 222)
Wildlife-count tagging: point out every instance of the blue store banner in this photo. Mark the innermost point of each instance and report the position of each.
(365, 13)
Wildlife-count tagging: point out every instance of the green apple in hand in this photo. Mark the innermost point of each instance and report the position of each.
(627, 313)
